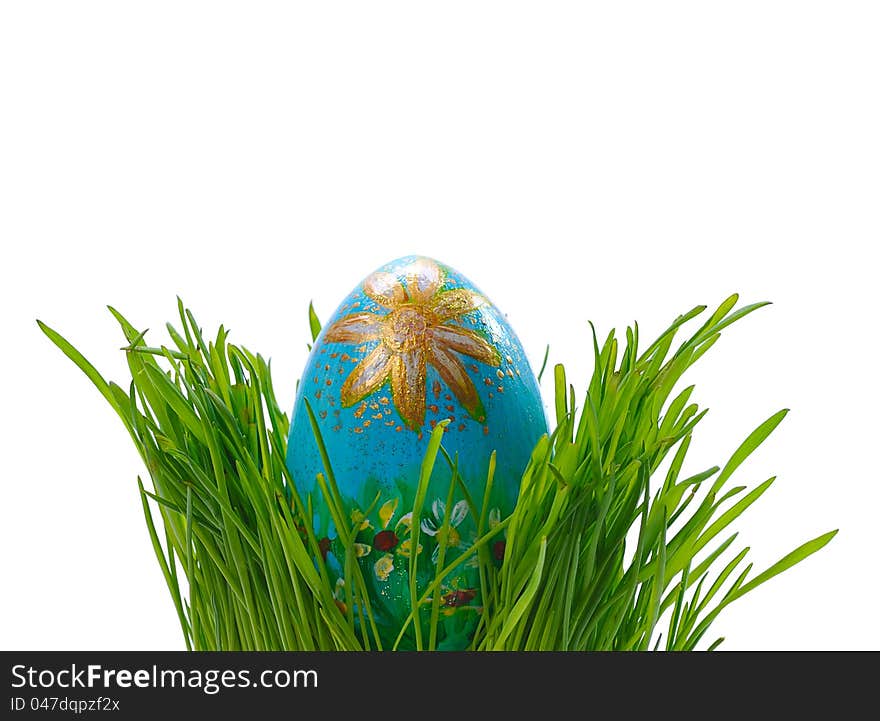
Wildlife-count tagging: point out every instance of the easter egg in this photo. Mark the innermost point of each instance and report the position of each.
(413, 345)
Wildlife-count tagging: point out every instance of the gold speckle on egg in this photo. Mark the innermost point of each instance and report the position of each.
(433, 423)
(509, 360)
(400, 428)
(510, 372)
(323, 415)
(491, 394)
(367, 423)
(448, 397)
(326, 367)
(500, 374)
(318, 394)
(474, 367)
(433, 408)
(461, 426)
(485, 430)
(334, 355)
(390, 423)
(358, 429)
(436, 389)
(378, 417)
(374, 406)
(500, 389)
(384, 400)
(344, 357)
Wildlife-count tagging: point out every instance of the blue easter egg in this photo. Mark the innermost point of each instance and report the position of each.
(414, 344)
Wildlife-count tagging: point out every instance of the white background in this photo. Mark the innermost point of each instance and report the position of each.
(579, 162)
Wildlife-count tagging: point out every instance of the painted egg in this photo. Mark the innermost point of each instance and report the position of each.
(411, 346)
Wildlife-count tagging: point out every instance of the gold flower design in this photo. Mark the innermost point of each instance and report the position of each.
(418, 330)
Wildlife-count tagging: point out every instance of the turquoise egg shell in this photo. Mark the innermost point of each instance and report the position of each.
(415, 343)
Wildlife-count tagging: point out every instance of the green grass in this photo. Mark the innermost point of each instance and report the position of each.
(608, 548)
